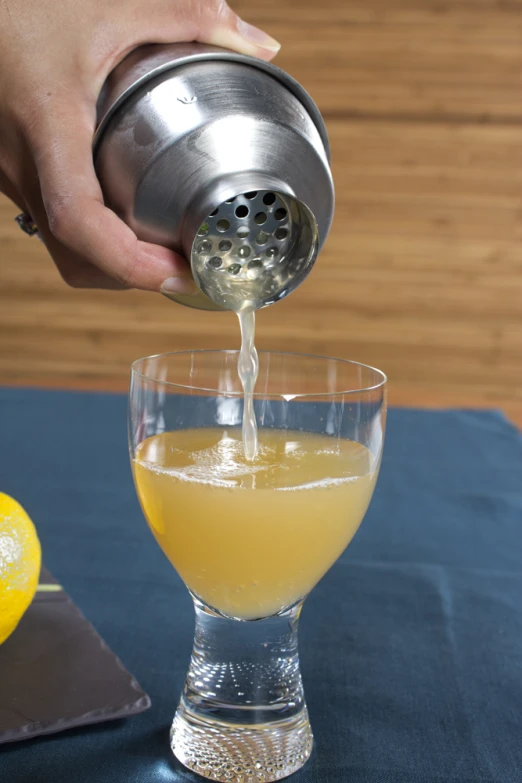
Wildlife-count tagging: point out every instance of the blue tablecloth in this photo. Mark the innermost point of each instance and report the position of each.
(411, 646)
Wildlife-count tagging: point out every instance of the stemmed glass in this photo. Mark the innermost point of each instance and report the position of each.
(251, 540)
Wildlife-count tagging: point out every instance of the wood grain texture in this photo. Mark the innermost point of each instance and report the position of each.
(422, 273)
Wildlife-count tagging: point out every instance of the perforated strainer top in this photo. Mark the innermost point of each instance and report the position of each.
(254, 249)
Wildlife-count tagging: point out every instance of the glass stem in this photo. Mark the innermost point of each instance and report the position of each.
(242, 711)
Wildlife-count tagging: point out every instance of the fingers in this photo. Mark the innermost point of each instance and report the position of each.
(206, 21)
(75, 270)
(225, 28)
(88, 241)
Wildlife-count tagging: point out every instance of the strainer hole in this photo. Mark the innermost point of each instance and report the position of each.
(243, 232)
(242, 211)
(222, 225)
(230, 200)
(225, 245)
(212, 214)
(215, 262)
(255, 269)
(260, 218)
(205, 246)
(244, 251)
(203, 230)
(280, 214)
(262, 238)
(234, 269)
(281, 233)
(269, 199)
(272, 252)
(251, 194)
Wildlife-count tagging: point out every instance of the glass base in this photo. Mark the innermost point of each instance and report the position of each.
(234, 754)
(242, 716)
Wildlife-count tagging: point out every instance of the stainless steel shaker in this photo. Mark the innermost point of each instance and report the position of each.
(223, 158)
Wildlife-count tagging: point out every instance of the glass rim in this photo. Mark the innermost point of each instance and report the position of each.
(216, 351)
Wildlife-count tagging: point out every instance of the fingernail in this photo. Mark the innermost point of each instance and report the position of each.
(258, 37)
(179, 285)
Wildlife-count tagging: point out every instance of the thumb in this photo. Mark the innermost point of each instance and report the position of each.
(220, 26)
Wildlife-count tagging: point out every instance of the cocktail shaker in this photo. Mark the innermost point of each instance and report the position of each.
(223, 158)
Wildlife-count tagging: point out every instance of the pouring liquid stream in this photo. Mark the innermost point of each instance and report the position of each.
(248, 367)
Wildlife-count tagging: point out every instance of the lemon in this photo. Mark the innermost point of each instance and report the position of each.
(20, 558)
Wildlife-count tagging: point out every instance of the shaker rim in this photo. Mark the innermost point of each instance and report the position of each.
(203, 53)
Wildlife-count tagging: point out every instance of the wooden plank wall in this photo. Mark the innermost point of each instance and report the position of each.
(422, 274)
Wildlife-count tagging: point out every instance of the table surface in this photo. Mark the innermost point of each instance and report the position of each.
(411, 646)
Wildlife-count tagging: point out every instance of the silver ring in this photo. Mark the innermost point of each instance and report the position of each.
(27, 224)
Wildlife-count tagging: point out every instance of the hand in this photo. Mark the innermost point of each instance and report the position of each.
(54, 58)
